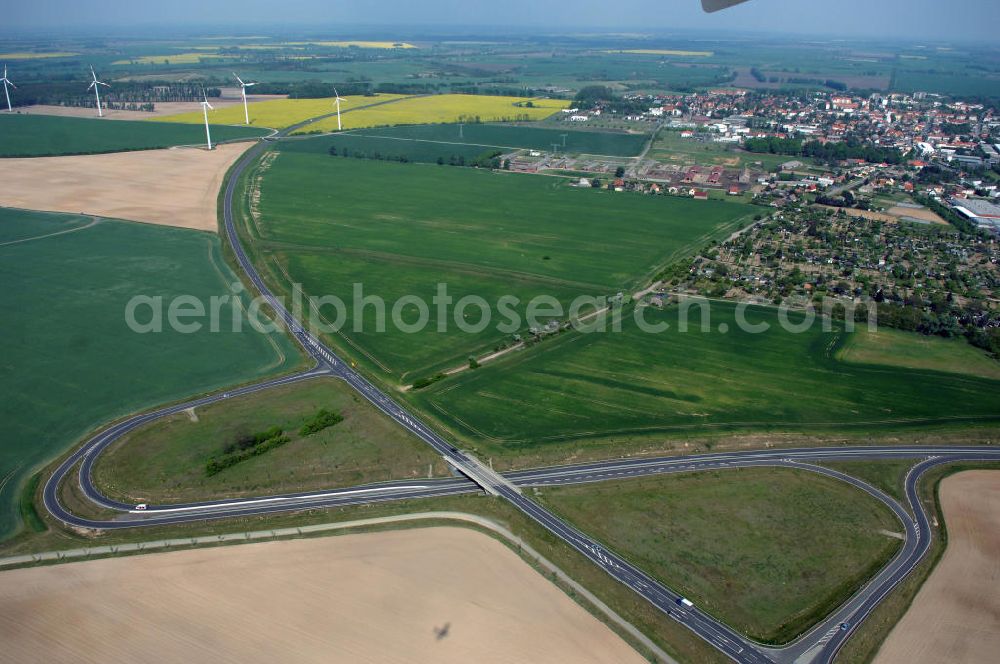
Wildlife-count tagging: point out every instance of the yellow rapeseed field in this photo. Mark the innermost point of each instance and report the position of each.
(661, 51)
(358, 44)
(277, 113)
(445, 108)
(172, 58)
(28, 55)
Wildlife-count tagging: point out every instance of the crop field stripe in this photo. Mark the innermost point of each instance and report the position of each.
(46, 135)
(455, 266)
(520, 136)
(93, 221)
(820, 394)
(69, 344)
(357, 132)
(403, 228)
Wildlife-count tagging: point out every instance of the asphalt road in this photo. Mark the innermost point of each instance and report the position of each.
(820, 644)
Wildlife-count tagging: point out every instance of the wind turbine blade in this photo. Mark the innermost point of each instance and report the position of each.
(107, 85)
(10, 83)
(717, 5)
(91, 86)
(249, 85)
(239, 79)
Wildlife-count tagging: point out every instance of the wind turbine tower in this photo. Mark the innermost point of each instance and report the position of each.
(336, 101)
(95, 84)
(243, 91)
(6, 82)
(205, 108)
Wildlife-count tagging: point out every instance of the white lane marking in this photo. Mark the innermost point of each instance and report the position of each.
(257, 501)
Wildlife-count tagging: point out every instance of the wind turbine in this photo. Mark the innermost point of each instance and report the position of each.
(205, 108)
(243, 89)
(6, 82)
(340, 127)
(97, 92)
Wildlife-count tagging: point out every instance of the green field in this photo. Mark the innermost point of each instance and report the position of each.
(71, 363)
(626, 389)
(960, 82)
(768, 550)
(390, 149)
(165, 461)
(670, 148)
(916, 351)
(615, 144)
(330, 222)
(46, 135)
(428, 143)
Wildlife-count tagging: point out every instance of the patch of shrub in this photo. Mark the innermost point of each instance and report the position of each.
(246, 447)
(421, 383)
(321, 420)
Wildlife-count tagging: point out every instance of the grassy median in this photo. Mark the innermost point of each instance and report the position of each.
(768, 550)
(167, 460)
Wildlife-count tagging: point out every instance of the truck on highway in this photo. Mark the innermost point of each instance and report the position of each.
(684, 602)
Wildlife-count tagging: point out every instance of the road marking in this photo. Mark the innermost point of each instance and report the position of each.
(257, 501)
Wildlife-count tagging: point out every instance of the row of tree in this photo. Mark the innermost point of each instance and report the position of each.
(143, 95)
(851, 148)
(246, 447)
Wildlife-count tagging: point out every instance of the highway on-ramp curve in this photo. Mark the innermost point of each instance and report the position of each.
(820, 644)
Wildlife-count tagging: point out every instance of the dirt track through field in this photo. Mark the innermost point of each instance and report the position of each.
(955, 617)
(175, 187)
(381, 597)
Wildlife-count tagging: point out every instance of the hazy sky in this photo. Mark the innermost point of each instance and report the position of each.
(950, 20)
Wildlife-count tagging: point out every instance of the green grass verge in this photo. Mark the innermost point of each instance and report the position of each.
(887, 476)
(165, 461)
(768, 550)
(26, 506)
(47, 135)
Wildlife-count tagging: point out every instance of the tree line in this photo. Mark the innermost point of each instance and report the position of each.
(851, 148)
(132, 96)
